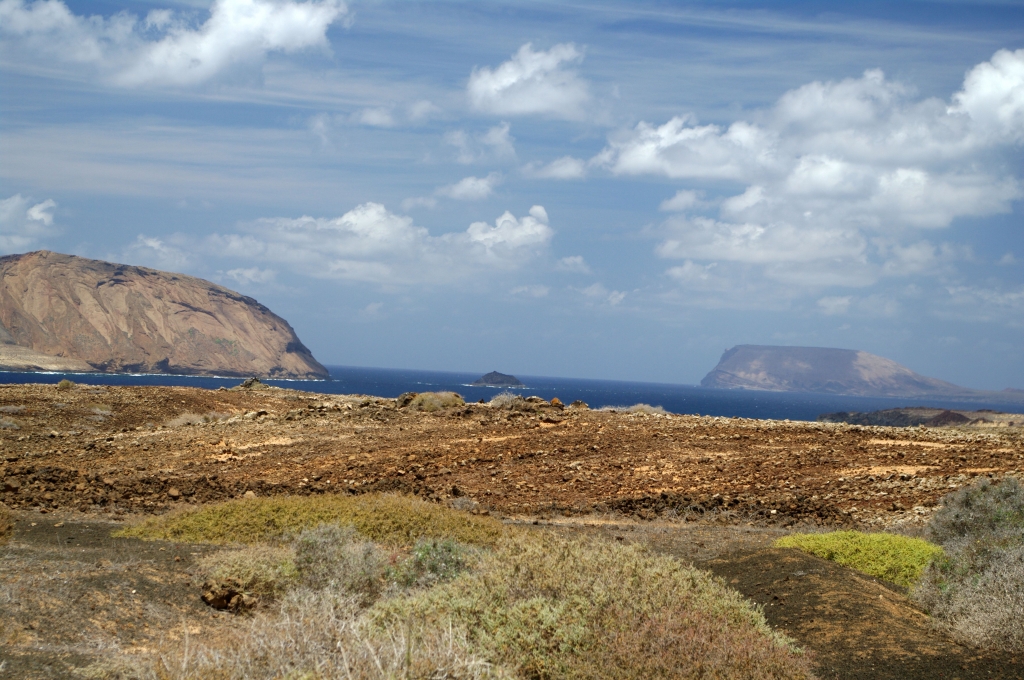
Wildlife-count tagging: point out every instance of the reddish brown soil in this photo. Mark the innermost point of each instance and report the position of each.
(119, 449)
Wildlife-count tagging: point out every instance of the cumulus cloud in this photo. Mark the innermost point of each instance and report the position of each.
(251, 275)
(574, 264)
(565, 167)
(371, 244)
(532, 82)
(683, 200)
(165, 48)
(149, 251)
(23, 224)
(838, 178)
(496, 143)
(471, 188)
(597, 292)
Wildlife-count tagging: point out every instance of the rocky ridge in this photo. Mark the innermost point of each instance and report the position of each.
(66, 313)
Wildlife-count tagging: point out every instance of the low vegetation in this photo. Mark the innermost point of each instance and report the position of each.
(384, 518)
(196, 419)
(435, 401)
(65, 385)
(343, 598)
(977, 589)
(637, 408)
(897, 559)
(547, 607)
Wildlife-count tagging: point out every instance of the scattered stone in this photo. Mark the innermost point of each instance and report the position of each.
(174, 493)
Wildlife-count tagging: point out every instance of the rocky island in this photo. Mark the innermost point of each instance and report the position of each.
(827, 370)
(67, 313)
(495, 379)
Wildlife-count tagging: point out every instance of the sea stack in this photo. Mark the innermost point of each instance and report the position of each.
(495, 379)
(68, 313)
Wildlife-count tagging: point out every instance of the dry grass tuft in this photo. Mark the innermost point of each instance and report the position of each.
(196, 419)
(258, 573)
(435, 401)
(545, 607)
(894, 558)
(6, 524)
(385, 518)
(321, 634)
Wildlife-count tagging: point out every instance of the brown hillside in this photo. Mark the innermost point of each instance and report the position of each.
(119, 318)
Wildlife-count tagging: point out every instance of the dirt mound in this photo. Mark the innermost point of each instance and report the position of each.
(948, 418)
(857, 627)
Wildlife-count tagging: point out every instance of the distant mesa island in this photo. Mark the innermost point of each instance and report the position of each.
(70, 314)
(831, 371)
(495, 379)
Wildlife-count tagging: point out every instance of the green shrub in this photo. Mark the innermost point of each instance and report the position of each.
(897, 559)
(979, 509)
(433, 561)
(509, 400)
(387, 518)
(545, 607)
(337, 557)
(977, 590)
(435, 401)
(65, 385)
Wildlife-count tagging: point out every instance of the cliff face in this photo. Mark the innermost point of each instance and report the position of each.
(822, 369)
(119, 318)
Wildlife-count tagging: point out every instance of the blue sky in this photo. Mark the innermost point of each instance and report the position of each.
(597, 190)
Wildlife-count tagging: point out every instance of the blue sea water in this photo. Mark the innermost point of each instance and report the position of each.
(688, 399)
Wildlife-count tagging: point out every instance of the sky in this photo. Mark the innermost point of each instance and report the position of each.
(615, 190)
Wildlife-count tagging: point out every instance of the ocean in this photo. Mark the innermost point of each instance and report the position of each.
(686, 399)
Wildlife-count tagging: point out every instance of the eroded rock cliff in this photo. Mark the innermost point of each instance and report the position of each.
(118, 318)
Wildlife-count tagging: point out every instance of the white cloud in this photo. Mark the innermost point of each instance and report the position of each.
(691, 272)
(153, 252)
(835, 305)
(125, 51)
(985, 304)
(1007, 259)
(838, 177)
(534, 291)
(574, 264)
(532, 83)
(471, 188)
(565, 167)
(419, 202)
(23, 224)
(495, 143)
(375, 117)
(599, 293)
(993, 95)
(682, 201)
(511, 233)
(371, 244)
(251, 275)
(422, 110)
